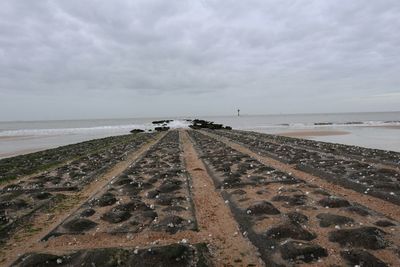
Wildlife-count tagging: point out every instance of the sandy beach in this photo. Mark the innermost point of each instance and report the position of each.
(19, 152)
(16, 138)
(390, 127)
(207, 197)
(308, 133)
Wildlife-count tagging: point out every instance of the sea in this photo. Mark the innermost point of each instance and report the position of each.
(380, 130)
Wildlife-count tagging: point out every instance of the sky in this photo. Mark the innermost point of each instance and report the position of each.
(74, 59)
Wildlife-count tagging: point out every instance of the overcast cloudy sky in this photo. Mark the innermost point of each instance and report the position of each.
(125, 58)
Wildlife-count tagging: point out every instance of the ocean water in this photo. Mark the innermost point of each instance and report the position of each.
(375, 130)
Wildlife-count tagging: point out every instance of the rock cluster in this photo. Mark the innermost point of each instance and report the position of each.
(137, 131)
(202, 124)
(152, 194)
(162, 128)
(162, 122)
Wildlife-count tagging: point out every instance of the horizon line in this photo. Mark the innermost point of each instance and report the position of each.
(199, 116)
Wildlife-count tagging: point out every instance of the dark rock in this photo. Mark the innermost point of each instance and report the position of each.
(364, 237)
(106, 200)
(145, 215)
(140, 220)
(329, 219)
(176, 255)
(137, 131)
(294, 200)
(362, 258)
(152, 194)
(169, 187)
(12, 187)
(334, 202)
(323, 123)
(116, 216)
(41, 260)
(358, 210)
(176, 220)
(79, 225)
(15, 204)
(161, 121)
(133, 205)
(166, 199)
(297, 217)
(302, 251)
(202, 124)
(171, 224)
(42, 195)
(174, 208)
(261, 208)
(257, 179)
(123, 181)
(265, 169)
(384, 223)
(87, 212)
(289, 230)
(3, 218)
(161, 129)
(231, 182)
(131, 188)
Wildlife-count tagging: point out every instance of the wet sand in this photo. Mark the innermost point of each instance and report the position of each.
(308, 133)
(16, 137)
(390, 127)
(15, 145)
(25, 137)
(19, 152)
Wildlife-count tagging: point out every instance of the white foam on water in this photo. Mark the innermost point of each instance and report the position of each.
(114, 129)
(84, 130)
(175, 124)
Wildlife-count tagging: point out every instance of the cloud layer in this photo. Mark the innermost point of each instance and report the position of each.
(155, 58)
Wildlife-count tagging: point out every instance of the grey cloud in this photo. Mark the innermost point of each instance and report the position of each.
(261, 55)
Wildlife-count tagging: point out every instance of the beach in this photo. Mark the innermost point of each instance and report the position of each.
(205, 197)
(308, 133)
(199, 133)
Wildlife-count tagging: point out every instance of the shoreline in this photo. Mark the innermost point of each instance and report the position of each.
(20, 152)
(30, 144)
(310, 133)
(388, 126)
